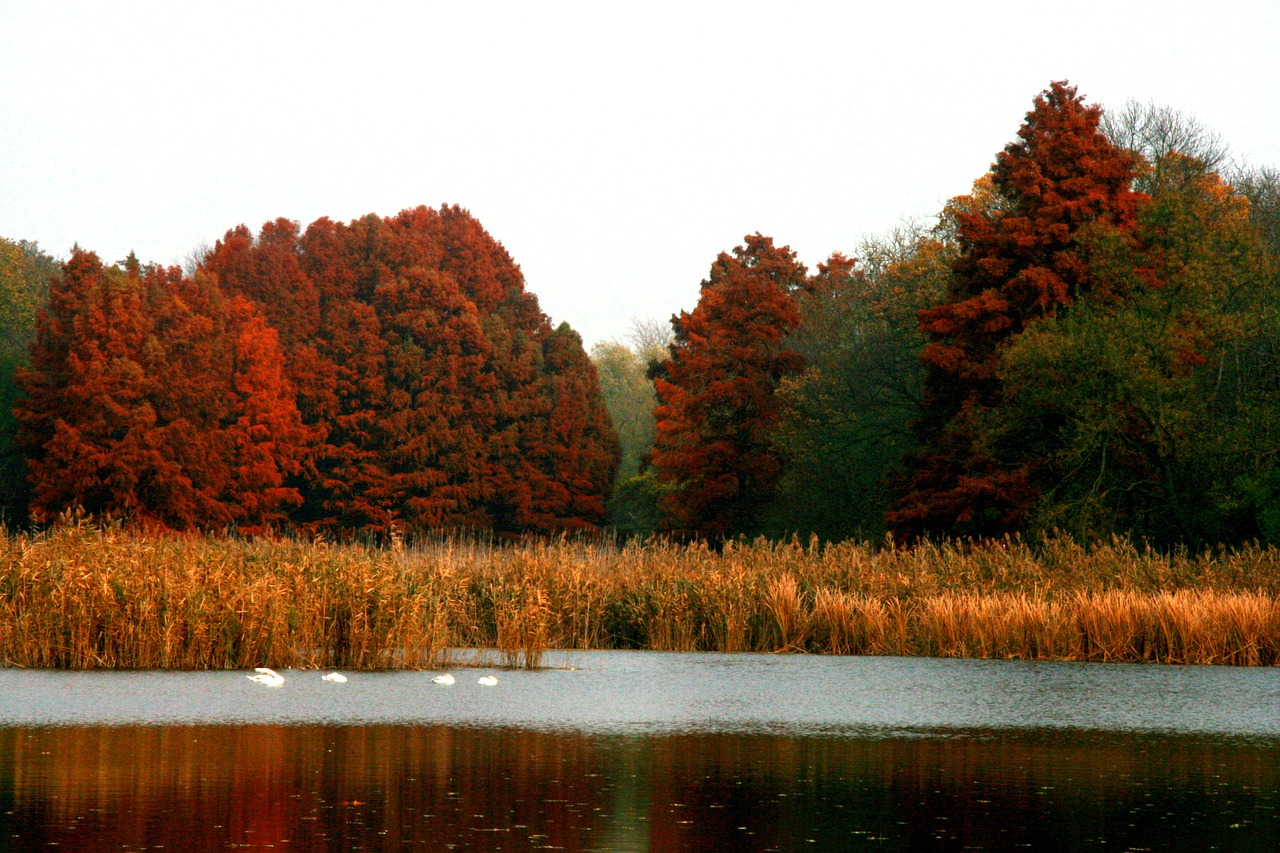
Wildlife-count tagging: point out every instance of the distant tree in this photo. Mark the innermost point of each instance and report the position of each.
(714, 452)
(846, 420)
(629, 395)
(630, 398)
(1022, 258)
(649, 340)
(155, 398)
(1152, 132)
(193, 260)
(25, 272)
(1261, 186)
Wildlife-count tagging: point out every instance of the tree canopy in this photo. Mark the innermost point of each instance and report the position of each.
(1086, 343)
(717, 404)
(380, 375)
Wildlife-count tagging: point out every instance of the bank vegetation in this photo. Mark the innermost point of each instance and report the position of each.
(88, 596)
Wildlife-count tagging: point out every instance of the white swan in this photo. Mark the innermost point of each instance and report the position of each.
(336, 677)
(266, 677)
(443, 679)
(488, 680)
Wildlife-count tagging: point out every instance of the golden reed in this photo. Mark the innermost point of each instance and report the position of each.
(83, 596)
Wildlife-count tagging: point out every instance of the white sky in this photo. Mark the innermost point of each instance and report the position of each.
(613, 148)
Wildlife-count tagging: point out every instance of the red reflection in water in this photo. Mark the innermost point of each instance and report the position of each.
(435, 788)
(304, 788)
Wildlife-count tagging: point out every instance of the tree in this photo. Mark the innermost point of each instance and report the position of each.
(1023, 257)
(1152, 415)
(1261, 186)
(714, 449)
(25, 272)
(1152, 132)
(156, 398)
(628, 394)
(846, 419)
(424, 364)
(573, 464)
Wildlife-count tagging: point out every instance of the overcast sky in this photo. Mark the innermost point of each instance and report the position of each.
(613, 148)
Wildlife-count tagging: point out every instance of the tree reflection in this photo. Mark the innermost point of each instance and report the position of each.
(313, 788)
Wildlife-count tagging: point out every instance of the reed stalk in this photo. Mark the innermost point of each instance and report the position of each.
(83, 596)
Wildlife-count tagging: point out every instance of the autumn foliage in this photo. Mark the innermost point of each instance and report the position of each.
(717, 404)
(386, 374)
(1086, 344)
(1023, 257)
(159, 398)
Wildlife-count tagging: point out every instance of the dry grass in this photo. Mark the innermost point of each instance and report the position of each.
(81, 596)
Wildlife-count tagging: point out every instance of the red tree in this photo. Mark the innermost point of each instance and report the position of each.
(1023, 256)
(717, 407)
(420, 356)
(570, 456)
(157, 398)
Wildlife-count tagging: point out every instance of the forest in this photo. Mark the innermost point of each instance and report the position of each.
(1084, 346)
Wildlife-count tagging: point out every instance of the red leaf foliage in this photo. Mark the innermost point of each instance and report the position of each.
(1019, 261)
(444, 397)
(388, 373)
(160, 399)
(717, 406)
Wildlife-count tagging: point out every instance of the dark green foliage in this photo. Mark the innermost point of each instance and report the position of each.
(25, 271)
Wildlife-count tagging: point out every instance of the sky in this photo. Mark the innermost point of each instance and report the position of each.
(614, 149)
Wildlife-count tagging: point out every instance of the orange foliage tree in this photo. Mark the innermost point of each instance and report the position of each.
(422, 361)
(1024, 255)
(159, 399)
(714, 456)
(571, 453)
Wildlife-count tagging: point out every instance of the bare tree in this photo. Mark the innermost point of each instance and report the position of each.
(1154, 132)
(649, 339)
(193, 259)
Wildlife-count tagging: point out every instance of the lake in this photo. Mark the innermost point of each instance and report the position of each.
(648, 751)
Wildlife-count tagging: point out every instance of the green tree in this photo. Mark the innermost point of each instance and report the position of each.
(628, 392)
(846, 420)
(629, 395)
(25, 272)
(1156, 414)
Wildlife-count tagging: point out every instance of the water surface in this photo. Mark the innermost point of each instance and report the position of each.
(648, 751)
(656, 692)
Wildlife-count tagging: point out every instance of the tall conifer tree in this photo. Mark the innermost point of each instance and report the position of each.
(1022, 257)
(158, 399)
(714, 453)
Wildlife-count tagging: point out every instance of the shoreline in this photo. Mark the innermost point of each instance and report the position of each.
(86, 597)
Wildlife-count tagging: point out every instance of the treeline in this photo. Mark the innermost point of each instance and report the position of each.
(386, 375)
(1088, 343)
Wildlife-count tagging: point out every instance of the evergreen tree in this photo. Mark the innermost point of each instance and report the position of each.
(714, 451)
(1023, 257)
(158, 399)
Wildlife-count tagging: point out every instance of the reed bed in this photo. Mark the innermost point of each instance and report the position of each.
(84, 596)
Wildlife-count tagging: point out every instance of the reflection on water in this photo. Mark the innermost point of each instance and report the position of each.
(648, 752)
(320, 788)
